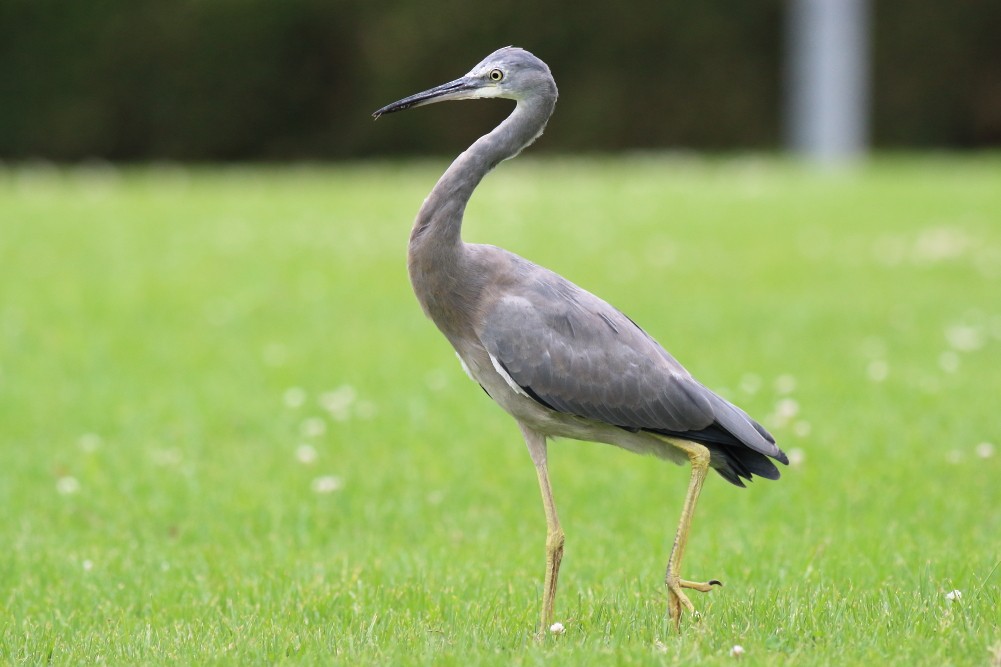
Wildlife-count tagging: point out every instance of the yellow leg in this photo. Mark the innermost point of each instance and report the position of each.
(554, 534)
(699, 457)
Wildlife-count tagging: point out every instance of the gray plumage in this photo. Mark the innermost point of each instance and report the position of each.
(561, 361)
(577, 355)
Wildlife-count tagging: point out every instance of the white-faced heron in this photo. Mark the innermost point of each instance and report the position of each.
(561, 361)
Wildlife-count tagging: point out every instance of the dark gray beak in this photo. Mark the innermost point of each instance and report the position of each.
(460, 89)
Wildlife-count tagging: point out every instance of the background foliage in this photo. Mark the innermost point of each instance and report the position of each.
(276, 79)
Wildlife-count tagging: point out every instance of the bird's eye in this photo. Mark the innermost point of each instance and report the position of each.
(496, 75)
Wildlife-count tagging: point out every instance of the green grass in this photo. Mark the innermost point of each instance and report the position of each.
(153, 321)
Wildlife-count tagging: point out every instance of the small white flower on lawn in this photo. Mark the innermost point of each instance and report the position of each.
(557, 628)
(736, 651)
(67, 484)
(88, 565)
(305, 454)
(294, 397)
(796, 456)
(327, 484)
(166, 457)
(985, 450)
(995, 651)
(948, 361)
(89, 442)
(785, 384)
(801, 428)
(787, 408)
(313, 427)
(952, 596)
(964, 337)
(874, 346)
(338, 402)
(274, 354)
(878, 370)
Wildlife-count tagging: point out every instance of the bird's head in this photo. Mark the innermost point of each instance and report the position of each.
(510, 73)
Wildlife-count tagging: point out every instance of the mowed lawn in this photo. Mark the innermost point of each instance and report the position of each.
(229, 436)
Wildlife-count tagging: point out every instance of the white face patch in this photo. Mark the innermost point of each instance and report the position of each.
(507, 378)
(486, 91)
(492, 91)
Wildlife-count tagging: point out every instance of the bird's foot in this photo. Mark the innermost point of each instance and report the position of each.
(678, 600)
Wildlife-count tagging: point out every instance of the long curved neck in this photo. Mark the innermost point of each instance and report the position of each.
(441, 215)
(435, 251)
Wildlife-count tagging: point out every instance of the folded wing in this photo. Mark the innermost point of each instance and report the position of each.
(576, 354)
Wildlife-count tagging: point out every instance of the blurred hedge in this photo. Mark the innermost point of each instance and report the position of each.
(276, 79)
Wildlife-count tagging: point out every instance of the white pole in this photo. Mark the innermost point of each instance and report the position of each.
(827, 79)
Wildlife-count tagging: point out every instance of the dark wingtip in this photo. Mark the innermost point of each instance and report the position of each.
(731, 476)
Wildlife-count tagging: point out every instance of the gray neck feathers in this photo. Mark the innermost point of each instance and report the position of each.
(435, 256)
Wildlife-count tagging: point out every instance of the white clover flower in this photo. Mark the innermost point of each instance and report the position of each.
(89, 442)
(878, 370)
(305, 454)
(964, 337)
(87, 565)
(796, 456)
(168, 457)
(338, 402)
(948, 361)
(313, 427)
(787, 408)
(953, 596)
(274, 354)
(67, 485)
(736, 651)
(985, 450)
(294, 397)
(557, 628)
(326, 484)
(785, 384)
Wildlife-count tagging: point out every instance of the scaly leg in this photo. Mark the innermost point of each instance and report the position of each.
(554, 534)
(699, 457)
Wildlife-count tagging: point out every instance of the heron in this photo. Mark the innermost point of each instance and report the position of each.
(560, 360)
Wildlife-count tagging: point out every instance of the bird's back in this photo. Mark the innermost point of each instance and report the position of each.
(574, 354)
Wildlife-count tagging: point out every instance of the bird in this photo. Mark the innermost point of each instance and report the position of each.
(561, 361)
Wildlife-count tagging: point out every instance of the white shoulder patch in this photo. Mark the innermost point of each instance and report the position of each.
(507, 378)
(465, 367)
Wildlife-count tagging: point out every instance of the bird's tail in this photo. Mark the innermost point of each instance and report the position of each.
(739, 447)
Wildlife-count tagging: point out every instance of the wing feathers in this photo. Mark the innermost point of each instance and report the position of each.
(573, 353)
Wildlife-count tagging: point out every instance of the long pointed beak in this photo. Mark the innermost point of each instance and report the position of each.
(460, 89)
